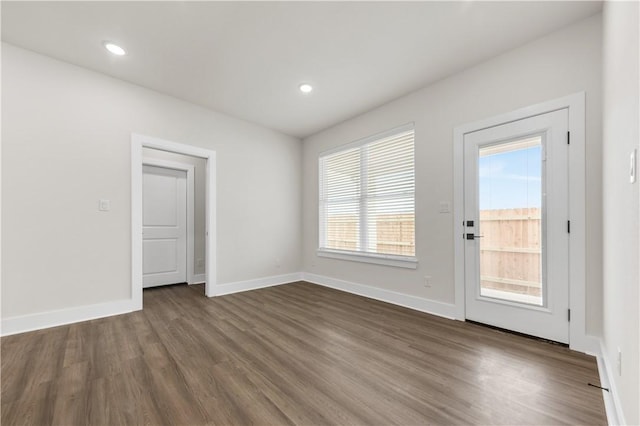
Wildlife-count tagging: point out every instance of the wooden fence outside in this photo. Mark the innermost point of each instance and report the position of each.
(510, 250)
(394, 233)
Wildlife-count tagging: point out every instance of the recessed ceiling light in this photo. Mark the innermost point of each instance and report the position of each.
(305, 88)
(114, 48)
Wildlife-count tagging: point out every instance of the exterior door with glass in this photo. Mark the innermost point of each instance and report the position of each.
(516, 229)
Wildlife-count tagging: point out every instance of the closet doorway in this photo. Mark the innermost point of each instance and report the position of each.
(173, 215)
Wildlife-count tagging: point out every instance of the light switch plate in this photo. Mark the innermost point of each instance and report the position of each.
(445, 207)
(104, 205)
(632, 167)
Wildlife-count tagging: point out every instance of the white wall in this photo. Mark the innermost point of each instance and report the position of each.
(66, 144)
(621, 239)
(559, 64)
(200, 180)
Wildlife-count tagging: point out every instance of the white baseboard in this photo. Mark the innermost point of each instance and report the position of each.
(612, 405)
(441, 309)
(238, 286)
(42, 320)
(198, 279)
(24, 323)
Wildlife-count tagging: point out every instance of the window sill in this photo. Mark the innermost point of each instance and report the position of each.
(379, 259)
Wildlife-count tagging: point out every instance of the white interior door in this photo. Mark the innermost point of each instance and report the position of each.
(516, 226)
(164, 212)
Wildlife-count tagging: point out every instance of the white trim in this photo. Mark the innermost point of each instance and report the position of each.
(211, 216)
(379, 259)
(191, 240)
(198, 279)
(136, 222)
(612, 404)
(578, 339)
(239, 286)
(458, 221)
(1, 274)
(41, 320)
(137, 142)
(433, 307)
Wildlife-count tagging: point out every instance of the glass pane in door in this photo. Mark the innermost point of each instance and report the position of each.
(511, 204)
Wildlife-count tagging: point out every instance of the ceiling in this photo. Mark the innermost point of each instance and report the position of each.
(247, 59)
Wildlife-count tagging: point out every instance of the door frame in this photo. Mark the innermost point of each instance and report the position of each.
(139, 141)
(190, 169)
(575, 103)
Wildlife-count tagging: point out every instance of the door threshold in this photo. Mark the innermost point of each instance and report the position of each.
(517, 333)
(164, 286)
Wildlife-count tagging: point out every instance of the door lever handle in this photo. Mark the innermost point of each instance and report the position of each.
(473, 237)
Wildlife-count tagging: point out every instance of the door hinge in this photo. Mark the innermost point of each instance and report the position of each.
(568, 138)
(569, 226)
(569, 315)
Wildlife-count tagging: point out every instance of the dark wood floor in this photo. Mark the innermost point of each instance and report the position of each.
(292, 354)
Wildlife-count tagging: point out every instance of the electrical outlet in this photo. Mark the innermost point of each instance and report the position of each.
(277, 263)
(104, 205)
(427, 280)
(619, 362)
(199, 262)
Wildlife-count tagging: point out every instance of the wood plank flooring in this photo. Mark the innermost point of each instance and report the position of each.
(292, 354)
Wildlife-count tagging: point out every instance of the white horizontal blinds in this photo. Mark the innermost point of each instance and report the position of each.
(340, 200)
(367, 197)
(390, 194)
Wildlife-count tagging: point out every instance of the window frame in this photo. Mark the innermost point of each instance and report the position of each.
(402, 261)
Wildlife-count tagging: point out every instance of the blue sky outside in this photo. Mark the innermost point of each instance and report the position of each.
(511, 179)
